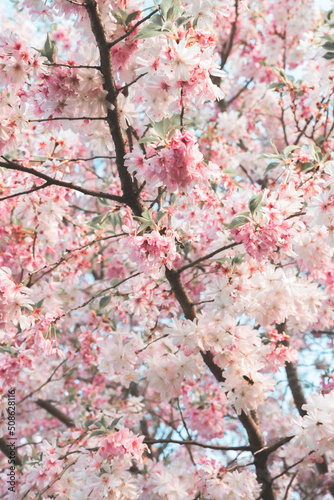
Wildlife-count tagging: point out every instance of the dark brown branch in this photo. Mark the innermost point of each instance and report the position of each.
(10, 165)
(111, 44)
(32, 190)
(256, 442)
(255, 437)
(227, 52)
(238, 94)
(4, 447)
(71, 118)
(189, 442)
(270, 449)
(86, 159)
(50, 408)
(79, 66)
(300, 400)
(208, 256)
(131, 83)
(130, 197)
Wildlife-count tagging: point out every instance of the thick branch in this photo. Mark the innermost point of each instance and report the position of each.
(10, 165)
(4, 447)
(130, 196)
(300, 400)
(50, 408)
(255, 437)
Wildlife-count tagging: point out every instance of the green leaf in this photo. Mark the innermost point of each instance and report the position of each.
(105, 301)
(50, 49)
(149, 32)
(329, 56)
(254, 202)
(98, 433)
(114, 423)
(99, 219)
(131, 17)
(103, 202)
(89, 422)
(308, 165)
(143, 226)
(160, 215)
(280, 72)
(271, 166)
(162, 127)
(168, 349)
(316, 153)
(238, 259)
(115, 281)
(238, 221)
(38, 304)
(230, 171)
(149, 138)
(171, 9)
(329, 46)
(268, 156)
(289, 149)
(278, 85)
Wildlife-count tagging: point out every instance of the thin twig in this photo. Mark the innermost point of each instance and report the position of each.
(196, 443)
(45, 383)
(36, 188)
(208, 256)
(111, 44)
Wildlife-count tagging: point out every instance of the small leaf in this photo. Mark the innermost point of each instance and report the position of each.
(329, 56)
(238, 259)
(280, 72)
(329, 46)
(308, 165)
(278, 85)
(238, 221)
(316, 153)
(114, 423)
(98, 433)
(103, 202)
(105, 301)
(160, 215)
(268, 156)
(89, 422)
(168, 349)
(38, 305)
(254, 202)
(289, 149)
(131, 17)
(230, 171)
(115, 281)
(149, 138)
(182, 20)
(271, 166)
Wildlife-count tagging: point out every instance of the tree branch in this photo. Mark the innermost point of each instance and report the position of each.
(36, 188)
(130, 197)
(10, 165)
(50, 408)
(208, 256)
(4, 447)
(190, 442)
(111, 44)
